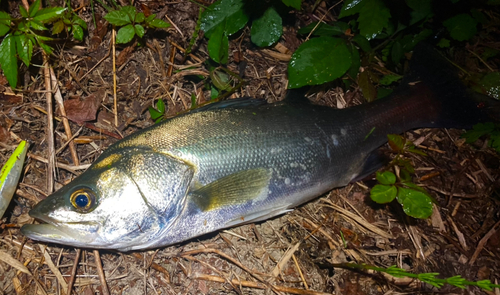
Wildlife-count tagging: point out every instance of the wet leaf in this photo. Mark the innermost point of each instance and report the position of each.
(267, 29)
(396, 142)
(416, 203)
(47, 14)
(160, 105)
(490, 84)
(158, 23)
(34, 7)
(77, 32)
(125, 34)
(373, 17)
(24, 48)
(386, 177)
(139, 30)
(8, 60)
(383, 194)
(351, 7)
(218, 45)
(362, 42)
(82, 109)
(139, 18)
(230, 11)
(461, 27)
(311, 66)
(366, 85)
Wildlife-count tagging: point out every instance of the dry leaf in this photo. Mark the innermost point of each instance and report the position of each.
(5, 257)
(82, 109)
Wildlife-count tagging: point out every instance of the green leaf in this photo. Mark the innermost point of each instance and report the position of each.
(477, 131)
(77, 32)
(220, 80)
(389, 79)
(230, 11)
(495, 142)
(362, 42)
(386, 177)
(267, 29)
(311, 66)
(24, 48)
(369, 91)
(415, 203)
(356, 62)
(125, 34)
(47, 14)
(150, 18)
(461, 27)
(373, 18)
(37, 25)
(5, 18)
(154, 113)
(422, 9)
(490, 84)
(8, 60)
(214, 92)
(218, 45)
(130, 12)
(396, 142)
(117, 18)
(158, 23)
(139, 18)
(4, 29)
(351, 7)
(293, 3)
(139, 30)
(78, 21)
(396, 52)
(45, 47)
(57, 27)
(160, 105)
(383, 194)
(23, 12)
(383, 92)
(443, 43)
(34, 7)
(322, 29)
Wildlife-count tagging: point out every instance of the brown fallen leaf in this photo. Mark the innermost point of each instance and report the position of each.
(82, 109)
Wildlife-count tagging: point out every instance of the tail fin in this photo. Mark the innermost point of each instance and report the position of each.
(457, 107)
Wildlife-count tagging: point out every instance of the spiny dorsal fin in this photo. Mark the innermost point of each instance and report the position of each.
(233, 189)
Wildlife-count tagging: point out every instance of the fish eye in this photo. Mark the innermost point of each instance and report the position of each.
(83, 200)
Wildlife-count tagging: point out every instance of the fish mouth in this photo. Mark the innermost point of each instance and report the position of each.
(52, 231)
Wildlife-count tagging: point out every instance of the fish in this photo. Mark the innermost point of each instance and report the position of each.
(10, 174)
(240, 161)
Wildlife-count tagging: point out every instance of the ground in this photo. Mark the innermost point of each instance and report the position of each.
(298, 253)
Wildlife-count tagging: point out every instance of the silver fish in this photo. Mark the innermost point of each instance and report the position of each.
(237, 162)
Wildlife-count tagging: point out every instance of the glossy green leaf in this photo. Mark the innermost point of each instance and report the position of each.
(373, 18)
(158, 23)
(383, 194)
(362, 42)
(415, 203)
(125, 34)
(218, 45)
(490, 84)
(78, 21)
(47, 14)
(267, 29)
(5, 18)
(154, 113)
(396, 142)
(77, 32)
(57, 27)
(230, 11)
(322, 29)
(139, 30)
(214, 92)
(351, 7)
(356, 62)
(130, 12)
(139, 18)
(318, 61)
(160, 105)
(293, 3)
(37, 25)
(24, 48)
(45, 47)
(389, 79)
(479, 130)
(8, 60)
(4, 29)
(34, 7)
(386, 177)
(461, 27)
(117, 18)
(23, 12)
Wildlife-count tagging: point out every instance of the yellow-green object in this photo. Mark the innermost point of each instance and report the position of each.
(9, 176)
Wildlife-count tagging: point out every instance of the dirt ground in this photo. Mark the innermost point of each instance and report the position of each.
(298, 253)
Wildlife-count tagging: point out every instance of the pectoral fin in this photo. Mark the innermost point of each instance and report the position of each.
(233, 189)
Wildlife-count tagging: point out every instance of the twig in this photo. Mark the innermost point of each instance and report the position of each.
(53, 267)
(256, 285)
(155, 266)
(115, 106)
(102, 278)
(73, 271)
(66, 167)
(483, 241)
(50, 126)
(300, 271)
(67, 128)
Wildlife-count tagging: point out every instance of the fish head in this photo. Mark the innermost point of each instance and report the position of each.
(123, 201)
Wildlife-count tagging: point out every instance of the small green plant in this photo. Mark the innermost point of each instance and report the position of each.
(158, 113)
(429, 278)
(484, 129)
(24, 33)
(132, 23)
(416, 201)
